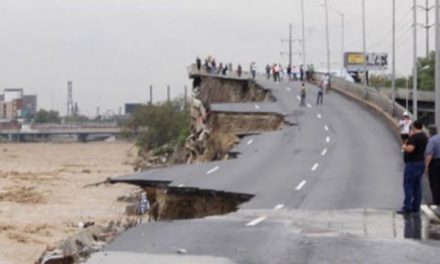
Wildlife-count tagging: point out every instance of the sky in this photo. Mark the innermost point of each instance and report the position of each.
(113, 50)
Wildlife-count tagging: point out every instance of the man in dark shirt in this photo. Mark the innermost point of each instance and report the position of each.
(414, 150)
(432, 162)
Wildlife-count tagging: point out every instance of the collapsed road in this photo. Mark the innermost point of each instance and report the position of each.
(320, 188)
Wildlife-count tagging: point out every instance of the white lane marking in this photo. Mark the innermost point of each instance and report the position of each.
(299, 98)
(279, 207)
(257, 107)
(301, 185)
(309, 105)
(327, 139)
(288, 89)
(213, 170)
(319, 116)
(250, 141)
(315, 166)
(324, 152)
(256, 221)
(326, 128)
(181, 185)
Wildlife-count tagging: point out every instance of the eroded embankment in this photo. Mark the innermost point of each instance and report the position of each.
(214, 134)
(169, 203)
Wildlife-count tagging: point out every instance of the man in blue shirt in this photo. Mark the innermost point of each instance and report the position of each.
(432, 161)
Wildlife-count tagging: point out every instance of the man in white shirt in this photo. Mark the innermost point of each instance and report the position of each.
(405, 126)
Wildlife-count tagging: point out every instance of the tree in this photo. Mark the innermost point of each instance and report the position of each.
(44, 116)
(164, 123)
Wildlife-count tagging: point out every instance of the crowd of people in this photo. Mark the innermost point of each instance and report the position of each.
(421, 154)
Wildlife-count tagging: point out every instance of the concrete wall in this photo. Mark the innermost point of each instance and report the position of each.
(378, 102)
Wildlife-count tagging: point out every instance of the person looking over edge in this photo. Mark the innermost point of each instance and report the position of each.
(253, 70)
(405, 126)
(414, 150)
(432, 163)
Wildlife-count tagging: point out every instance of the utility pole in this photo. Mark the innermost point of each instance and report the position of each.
(393, 79)
(290, 44)
(437, 63)
(427, 8)
(168, 93)
(342, 42)
(303, 35)
(415, 110)
(69, 99)
(151, 94)
(185, 97)
(364, 45)
(327, 36)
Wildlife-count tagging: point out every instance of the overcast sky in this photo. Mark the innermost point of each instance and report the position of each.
(113, 49)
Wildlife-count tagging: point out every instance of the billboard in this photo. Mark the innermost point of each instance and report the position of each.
(354, 61)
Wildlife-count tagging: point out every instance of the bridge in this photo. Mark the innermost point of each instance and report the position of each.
(322, 188)
(82, 131)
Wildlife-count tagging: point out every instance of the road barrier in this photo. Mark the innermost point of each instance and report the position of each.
(389, 110)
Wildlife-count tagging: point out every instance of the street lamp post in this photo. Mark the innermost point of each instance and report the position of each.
(415, 110)
(437, 63)
(327, 37)
(364, 45)
(342, 34)
(303, 35)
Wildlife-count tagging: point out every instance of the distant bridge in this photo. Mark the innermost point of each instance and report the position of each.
(44, 131)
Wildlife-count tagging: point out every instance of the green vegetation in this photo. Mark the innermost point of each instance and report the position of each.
(426, 78)
(45, 116)
(166, 123)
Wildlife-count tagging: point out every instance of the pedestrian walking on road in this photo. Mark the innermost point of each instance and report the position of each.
(301, 73)
(414, 150)
(303, 95)
(289, 72)
(239, 70)
(320, 96)
(432, 162)
(405, 126)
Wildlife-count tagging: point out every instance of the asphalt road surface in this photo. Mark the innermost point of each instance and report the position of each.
(325, 190)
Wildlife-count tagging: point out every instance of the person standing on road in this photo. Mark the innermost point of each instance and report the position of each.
(239, 70)
(268, 68)
(303, 95)
(414, 150)
(301, 73)
(198, 63)
(405, 127)
(432, 162)
(253, 70)
(320, 96)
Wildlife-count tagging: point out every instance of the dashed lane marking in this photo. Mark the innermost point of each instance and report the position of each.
(327, 139)
(309, 105)
(257, 107)
(288, 89)
(319, 116)
(324, 152)
(299, 98)
(256, 221)
(279, 207)
(326, 128)
(315, 166)
(300, 185)
(213, 170)
(250, 141)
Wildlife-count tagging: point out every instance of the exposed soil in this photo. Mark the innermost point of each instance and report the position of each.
(245, 123)
(42, 195)
(219, 90)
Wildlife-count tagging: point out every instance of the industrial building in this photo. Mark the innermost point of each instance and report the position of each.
(14, 104)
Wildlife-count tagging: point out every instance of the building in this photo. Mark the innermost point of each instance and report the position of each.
(15, 105)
